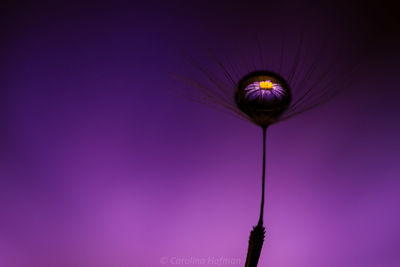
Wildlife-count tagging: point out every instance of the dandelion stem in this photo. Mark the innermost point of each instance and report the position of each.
(260, 220)
(257, 235)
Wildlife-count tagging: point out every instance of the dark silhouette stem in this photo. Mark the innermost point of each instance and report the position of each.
(260, 220)
(257, 235)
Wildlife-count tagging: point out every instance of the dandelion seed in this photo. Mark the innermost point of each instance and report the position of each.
(265, 97)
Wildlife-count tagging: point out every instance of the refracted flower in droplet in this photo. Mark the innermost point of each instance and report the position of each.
(263, 96)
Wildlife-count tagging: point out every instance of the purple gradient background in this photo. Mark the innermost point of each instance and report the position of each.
(101, 165)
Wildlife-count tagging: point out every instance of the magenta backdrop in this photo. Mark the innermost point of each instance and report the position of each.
(101, 164)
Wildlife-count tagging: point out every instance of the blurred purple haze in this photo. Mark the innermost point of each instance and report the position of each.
(101, 165)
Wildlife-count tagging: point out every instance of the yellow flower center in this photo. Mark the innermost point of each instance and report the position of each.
(266, 85)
